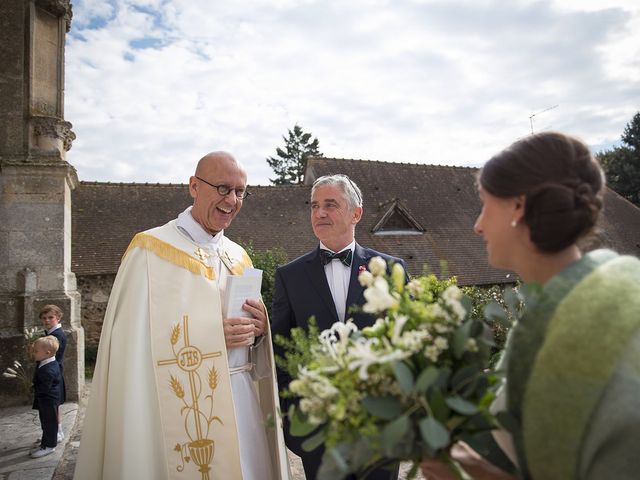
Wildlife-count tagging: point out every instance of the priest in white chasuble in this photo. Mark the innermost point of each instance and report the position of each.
(180, 391)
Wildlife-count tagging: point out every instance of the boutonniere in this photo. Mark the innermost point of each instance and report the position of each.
(361, 269)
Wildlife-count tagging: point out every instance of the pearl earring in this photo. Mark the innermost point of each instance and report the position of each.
(514, 223)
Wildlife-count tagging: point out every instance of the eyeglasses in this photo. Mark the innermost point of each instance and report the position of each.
(225, 190)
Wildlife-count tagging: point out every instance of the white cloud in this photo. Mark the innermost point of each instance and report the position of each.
(154, 85)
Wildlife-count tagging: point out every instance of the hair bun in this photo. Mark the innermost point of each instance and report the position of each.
(557, 214)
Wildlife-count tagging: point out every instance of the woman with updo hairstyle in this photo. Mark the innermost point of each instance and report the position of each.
(569, 406)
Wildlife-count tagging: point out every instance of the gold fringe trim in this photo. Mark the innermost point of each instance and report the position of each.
(171, 254)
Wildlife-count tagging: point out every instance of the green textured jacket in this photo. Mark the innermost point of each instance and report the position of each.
(573, 373)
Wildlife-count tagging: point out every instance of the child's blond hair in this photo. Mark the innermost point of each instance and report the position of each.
(56, 310)
(50, 343)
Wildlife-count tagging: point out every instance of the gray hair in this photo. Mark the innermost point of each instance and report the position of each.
(348, 187)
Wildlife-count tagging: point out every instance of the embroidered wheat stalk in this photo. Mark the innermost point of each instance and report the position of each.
(213, 378)
(176, 386)
(175, 333)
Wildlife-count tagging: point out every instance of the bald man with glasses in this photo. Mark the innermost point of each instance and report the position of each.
(174, 392)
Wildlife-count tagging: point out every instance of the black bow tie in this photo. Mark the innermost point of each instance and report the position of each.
(344, 256)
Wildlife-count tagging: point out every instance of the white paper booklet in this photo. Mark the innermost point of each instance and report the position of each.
(239, 288)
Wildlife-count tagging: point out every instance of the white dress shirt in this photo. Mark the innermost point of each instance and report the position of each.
(338, 276)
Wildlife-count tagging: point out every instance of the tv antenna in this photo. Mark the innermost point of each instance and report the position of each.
(538, 113)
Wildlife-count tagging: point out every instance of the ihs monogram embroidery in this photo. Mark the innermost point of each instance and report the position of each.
(199, 448)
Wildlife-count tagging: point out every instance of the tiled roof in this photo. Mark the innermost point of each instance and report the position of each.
(441, 199)
(106, 216)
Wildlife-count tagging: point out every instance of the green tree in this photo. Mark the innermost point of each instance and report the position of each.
(622, 164)
(290, 163)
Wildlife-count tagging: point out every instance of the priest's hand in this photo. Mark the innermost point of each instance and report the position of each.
(256, 309)
(238, 331)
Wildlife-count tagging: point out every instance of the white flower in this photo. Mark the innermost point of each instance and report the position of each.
(11, 371)
(335, 339)
(452, 296)
(452, 293)
(438, 312)
(364, 355)
(441, 343)
(8, 375)
(472, 345)
(365, 278)
(17, 364)
(324, 389)
(398, 326)
(432, 352)
(441, 328)
(413, 340)
(377, 266)
(377, 328)
(398, 276)
(415, 288)
(297, 386)
(378, 297)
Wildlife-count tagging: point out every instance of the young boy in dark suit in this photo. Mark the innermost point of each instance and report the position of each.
(51, 316)
(47, 381)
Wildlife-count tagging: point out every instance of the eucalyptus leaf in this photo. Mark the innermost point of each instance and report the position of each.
(404, 376)
(443, 377)
(334, 466)
(467, 303)
(393, 433)
(464, 376)
(361, 453)
(434, 433)
(426, 378)
(386, 408)
(439, 406)
(460, 338)
(314, 441)
(494, 312)
(461, 405)
(511, 300)
(298, 427)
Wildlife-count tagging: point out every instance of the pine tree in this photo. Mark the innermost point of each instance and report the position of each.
(622, 164)
(290, 164)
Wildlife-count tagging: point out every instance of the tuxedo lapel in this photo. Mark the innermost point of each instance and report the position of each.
(355, 295)
(315, 270)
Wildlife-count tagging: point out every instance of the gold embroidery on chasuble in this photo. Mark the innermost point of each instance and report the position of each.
(198, 420)
(236, 265)
(172, 254)
(197, 416)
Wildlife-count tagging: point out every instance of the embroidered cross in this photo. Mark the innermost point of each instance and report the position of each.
(226, 259)
(201, 254)
(189, 359)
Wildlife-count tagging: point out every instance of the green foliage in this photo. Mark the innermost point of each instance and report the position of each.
(405, 387)
(484, 300)
(298, 348)
(290, 163)
(267, 261)
(622, 164)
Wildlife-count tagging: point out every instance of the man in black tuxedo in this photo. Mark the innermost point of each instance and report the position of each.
(324, 283)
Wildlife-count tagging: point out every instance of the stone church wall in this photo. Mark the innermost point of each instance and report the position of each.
(94, 291)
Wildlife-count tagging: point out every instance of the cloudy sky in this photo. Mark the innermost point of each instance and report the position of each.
(152, 85)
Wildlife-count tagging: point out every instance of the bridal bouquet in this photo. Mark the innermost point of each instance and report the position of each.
(405, 388)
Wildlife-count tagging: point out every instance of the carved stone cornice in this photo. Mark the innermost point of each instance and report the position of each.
(59, 8)
(53, 127)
